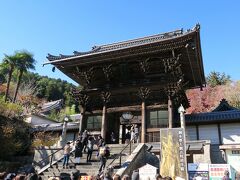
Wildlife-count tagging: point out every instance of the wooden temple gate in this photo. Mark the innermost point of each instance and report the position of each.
(146, 76)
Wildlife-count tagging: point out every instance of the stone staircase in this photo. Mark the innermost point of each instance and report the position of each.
(89, 168)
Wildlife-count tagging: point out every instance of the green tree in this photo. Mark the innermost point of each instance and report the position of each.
(217, 78)
(10, 63)
(25, 62)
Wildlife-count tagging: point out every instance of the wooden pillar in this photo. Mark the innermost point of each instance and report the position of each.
(105, 95)
(143, 94)
(170, 112)
(104, 122)
(143, 131)
(123, 133)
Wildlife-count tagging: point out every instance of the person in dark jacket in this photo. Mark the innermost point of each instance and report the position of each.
(113, 138)
(100, 142)
(104, 153)
(78, 151)
(84, 140)
(90, 148)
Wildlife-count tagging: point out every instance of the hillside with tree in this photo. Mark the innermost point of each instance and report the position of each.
(218, 86)
(21, 93)
(18, 84)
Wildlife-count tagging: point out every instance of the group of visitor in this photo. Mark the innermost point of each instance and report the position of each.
(132, 134)
(85, 144)
(28, 175)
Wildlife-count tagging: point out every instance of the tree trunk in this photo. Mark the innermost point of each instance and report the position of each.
(8, 82)
(18, 84)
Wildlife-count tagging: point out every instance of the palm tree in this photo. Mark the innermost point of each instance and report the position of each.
(25, 62)
(10, 63)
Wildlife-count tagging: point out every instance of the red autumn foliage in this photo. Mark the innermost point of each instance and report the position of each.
(205, 100)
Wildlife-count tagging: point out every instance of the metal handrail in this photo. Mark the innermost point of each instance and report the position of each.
(39, 163)
(120, 154)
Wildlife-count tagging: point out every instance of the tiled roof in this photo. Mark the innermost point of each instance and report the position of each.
(55, 127)
(46, 107)
(224, 106)
(208, 117)
(126, 44)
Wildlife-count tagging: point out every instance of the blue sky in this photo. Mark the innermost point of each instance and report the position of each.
(60, 27)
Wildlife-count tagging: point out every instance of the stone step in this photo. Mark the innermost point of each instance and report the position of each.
(70, 172)
(90, 168)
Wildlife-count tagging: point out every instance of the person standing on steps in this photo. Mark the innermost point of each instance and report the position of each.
(84, 140)
(66, 153)
(104, 153)
(136, 133)
(90, 148)
(100, 142)
(78, 152)
(132, 133)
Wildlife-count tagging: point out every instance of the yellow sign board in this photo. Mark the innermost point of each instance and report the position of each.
(173, 153)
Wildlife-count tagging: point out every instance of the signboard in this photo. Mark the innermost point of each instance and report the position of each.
(216, 171)
(173, 153)
(198, 171)
(85, 178)
(147, 172)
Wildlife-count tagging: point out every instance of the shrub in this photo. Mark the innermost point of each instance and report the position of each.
(15, 137)
(44, 139)
(10, 110)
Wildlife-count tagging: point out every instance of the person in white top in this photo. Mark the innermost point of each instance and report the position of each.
(66, 152)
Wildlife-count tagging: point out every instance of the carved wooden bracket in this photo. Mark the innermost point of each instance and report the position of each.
(87, 74)
(107, 70)
(143, 93)
(181, 99)
(80, 97)
(105, 95)
(144, 65)
(173, 88)
(83, 99)
(170, 64)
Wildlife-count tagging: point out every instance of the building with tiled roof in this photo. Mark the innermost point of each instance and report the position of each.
(47, 107)
(222, 128)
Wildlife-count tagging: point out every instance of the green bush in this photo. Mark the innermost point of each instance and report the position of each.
(10, 110)
(14, 137)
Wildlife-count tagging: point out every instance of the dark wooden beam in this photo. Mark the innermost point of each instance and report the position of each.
(130, 108)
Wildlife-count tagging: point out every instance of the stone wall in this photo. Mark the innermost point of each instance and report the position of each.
(139, 157)
(205, 157)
